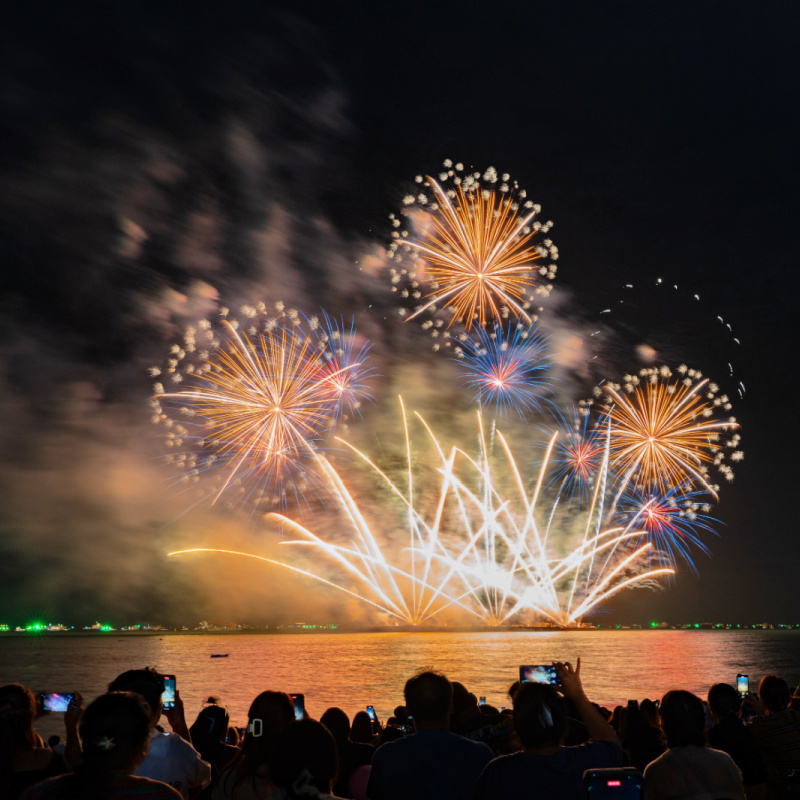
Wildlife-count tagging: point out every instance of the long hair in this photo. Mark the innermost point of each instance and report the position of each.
(269, 714)
(114, 731)
(209, 729)
(17, 711)
(305, 758)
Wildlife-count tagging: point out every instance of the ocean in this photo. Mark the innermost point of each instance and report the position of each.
(353, 670)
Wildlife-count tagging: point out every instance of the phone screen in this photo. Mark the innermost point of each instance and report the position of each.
(56, 702)
(482, 701)
(612, 784)
(371, 712)
(541, 673)
(742, 685)
(168, 698)
(299, 706)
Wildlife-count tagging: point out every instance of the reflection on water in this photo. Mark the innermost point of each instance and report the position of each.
(352, 670)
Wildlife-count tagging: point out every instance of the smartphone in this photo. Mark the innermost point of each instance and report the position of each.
(56, 702)
(168, 698)
(482, 701)
(540, 673)
(742, 685)
(371, 712)
(612, 784)
(299, 701)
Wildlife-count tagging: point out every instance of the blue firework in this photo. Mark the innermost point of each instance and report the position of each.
(343, 363)
(508, 370)
(577, 455)
(671, 520)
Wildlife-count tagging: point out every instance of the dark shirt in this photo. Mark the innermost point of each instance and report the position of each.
(522, 776)
(778, 736)
(22, 780)
(352, 755)
(429, 765)
(121, 787)
(732, 737)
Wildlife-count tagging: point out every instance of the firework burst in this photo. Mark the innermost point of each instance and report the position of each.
(671, 520)
(507, 370)
(577, 455)
(250, 403)
(666, 429)
(474, 235)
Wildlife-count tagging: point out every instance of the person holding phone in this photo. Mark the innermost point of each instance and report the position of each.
(23, 759)
(171, 758)
(729, 735)
(116, 736)
(545, 763)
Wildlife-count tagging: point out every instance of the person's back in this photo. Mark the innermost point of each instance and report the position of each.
(778, 737)
(546, 767)
(247, 776)
(689, 770)
(432, 764)
(352, 755)
(171, 759)
(730, 735)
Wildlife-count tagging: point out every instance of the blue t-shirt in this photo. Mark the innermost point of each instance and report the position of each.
(522, 776)
(429, 765)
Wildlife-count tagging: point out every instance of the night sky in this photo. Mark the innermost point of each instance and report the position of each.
(153, 155)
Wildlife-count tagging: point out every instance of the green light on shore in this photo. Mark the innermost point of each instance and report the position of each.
(653, 624)
(36, 626)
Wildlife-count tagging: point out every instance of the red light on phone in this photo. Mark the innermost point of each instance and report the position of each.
(613, 783)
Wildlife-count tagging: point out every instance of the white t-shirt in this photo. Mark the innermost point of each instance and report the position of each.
(693, 773)
(175, 762)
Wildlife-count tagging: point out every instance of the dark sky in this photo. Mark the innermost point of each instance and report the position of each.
(148, 150)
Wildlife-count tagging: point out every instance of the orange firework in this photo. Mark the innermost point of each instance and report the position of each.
(481, 260)
(250, 410)
(665, 433)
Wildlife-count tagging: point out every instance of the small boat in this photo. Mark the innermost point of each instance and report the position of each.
(220, 655)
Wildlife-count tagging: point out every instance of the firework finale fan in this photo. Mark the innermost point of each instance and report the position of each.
(689, 770)
(248, 777)
(171, 757)
(432, 763)
(731, 736)
(540, 721)
(352, 755)
(115, 732)
(24, 760)
(777, 732)
(304, 762)
(208, 736)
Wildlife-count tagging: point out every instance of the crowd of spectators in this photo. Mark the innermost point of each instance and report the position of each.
(441, 744)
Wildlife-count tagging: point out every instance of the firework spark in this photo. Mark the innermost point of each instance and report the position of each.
(481, 548)
(507, 370)
(252, 407)
(577, 455)
(476, 240)
(666, 432)
(671, 520)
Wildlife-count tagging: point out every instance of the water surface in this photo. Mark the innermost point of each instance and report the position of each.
(352, 670)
